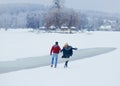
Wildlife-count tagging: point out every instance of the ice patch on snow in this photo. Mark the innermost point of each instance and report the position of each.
(34, 62)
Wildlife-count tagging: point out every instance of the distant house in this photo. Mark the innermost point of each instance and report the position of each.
(73, 28)
(105, 28)
(43, 28)
(52, 27)
(64, 28)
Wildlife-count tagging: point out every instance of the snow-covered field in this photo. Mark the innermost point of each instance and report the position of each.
(101, 70)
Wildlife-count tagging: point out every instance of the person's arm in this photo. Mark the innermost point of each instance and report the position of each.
(59, 49)
(51, 50)
(62, 50)
(74, 48)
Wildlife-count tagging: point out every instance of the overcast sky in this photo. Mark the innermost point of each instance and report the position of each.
(112, 6)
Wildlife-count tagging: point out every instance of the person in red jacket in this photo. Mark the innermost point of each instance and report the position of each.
(54, 52)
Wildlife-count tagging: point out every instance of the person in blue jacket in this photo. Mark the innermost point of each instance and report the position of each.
(67, 53)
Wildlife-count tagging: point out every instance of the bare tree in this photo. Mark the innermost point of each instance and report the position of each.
(58, 4)
(33, 20)
(57, 8)
(58, 15)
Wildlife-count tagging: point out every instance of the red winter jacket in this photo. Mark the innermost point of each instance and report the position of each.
(55, 49)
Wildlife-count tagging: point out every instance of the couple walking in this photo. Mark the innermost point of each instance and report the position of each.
(67, 52)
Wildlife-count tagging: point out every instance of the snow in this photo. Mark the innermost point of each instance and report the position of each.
(100, 70)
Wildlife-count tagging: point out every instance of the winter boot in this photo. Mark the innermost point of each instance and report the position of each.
(51, 65)
(66, 64)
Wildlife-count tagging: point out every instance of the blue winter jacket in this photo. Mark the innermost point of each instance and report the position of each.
(67, 52)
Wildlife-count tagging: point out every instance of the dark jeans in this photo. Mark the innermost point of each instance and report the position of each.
(66, 63)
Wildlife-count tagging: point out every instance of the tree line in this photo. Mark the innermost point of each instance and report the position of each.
(57, 15)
